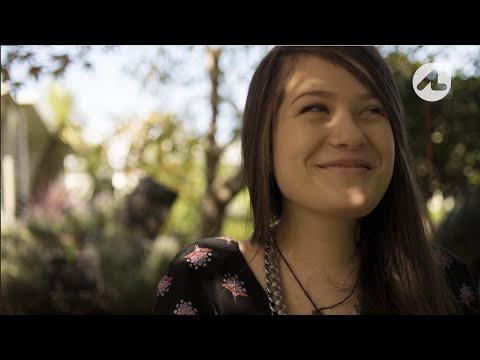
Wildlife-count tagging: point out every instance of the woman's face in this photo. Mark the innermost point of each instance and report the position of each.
(333, 147)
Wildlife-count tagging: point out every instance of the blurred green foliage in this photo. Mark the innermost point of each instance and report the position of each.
(130, 263)
(460, 230)
(453, 133)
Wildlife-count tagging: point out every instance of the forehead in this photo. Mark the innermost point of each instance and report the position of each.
(312, 72)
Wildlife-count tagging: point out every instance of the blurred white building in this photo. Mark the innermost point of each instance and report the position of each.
(28, 156)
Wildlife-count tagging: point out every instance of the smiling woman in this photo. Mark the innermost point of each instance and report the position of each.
(339, 222)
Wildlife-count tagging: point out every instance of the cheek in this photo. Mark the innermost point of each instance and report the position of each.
(290, 146)
(283, 155)
(293, 143)
(380, 136)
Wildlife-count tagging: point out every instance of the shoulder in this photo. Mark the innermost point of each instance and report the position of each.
(190, 283)
(459, 278)
(207, 252)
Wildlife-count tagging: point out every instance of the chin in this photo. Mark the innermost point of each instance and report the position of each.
(354, 210)
(355, 213)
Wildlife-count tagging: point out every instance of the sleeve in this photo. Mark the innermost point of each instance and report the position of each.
(467, 290)
(461, 283)
(179, 292)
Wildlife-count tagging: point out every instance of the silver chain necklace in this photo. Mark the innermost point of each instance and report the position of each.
(272, 277)
(274, 289)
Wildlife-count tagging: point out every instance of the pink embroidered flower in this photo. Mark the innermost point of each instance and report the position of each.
(199, 257)
(185, 308)
(466, 294)
(234, 285)
(443, 259)
(164, 285)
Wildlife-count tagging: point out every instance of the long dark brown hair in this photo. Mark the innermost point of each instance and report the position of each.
(398, 273)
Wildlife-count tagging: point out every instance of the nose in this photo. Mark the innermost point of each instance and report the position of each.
(345, 131)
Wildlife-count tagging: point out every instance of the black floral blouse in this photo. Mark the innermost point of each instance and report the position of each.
(211, 277)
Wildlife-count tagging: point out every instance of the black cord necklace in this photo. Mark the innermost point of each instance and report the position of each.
(316, 311)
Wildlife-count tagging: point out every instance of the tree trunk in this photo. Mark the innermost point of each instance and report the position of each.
(212, 214)
(214, 203)
(215, 199)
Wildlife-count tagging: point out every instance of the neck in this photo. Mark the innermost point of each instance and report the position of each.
(319, 245)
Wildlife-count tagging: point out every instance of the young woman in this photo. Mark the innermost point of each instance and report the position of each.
(339, 223)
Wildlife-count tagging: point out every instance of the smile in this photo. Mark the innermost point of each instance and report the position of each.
(346, 166)
(342, 169)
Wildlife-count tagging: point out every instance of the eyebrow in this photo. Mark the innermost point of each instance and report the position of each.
(330, 94)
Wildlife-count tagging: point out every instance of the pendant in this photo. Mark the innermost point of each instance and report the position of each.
(316, 312)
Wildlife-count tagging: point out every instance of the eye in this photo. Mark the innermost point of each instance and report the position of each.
(375, 110)
(315, 108)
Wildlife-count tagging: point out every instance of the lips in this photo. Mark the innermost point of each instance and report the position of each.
(347, 163)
